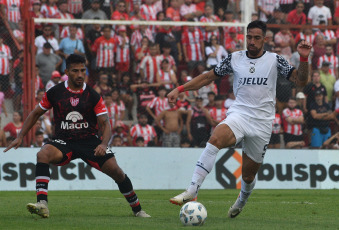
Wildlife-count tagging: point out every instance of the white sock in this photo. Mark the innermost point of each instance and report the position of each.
(203, 167)
(246, 190)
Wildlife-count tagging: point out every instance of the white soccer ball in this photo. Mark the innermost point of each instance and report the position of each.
(193, 214)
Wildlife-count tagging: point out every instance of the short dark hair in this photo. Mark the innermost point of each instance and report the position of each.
(75, 59)
(140, 138)
(258, 24)
(38, 132)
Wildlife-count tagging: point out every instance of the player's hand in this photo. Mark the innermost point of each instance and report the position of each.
(172, 96)
(304, 49)
(100, 150)
(16, 144)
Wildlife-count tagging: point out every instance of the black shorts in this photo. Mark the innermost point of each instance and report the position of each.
(290, 137)
(83, 149)
(275, 139)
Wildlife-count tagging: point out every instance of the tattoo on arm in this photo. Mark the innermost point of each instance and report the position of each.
(302, 72)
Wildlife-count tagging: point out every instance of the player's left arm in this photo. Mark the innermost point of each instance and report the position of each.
(300, 76)
(104, 125)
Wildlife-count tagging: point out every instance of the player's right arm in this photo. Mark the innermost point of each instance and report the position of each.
(195, 84)
(28, 124)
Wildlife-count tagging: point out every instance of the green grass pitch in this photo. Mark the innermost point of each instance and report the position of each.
(266, 209)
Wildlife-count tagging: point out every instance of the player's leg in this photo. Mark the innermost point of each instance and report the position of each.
(222, 137)
(112, 169)
(249, 171)
(47, 154)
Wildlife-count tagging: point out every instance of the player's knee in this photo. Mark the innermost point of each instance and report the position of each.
(248, 179)
(42, 157)
(215, 141)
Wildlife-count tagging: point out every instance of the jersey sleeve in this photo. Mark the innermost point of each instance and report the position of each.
(224, 67)
(284, 68)
(45, 104)
(100, 107)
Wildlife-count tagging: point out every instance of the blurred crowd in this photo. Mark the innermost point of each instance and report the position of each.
(134, 67)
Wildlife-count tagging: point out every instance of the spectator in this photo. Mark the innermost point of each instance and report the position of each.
(285, 40)
(230, 99)
(46, 37)
(211, 101)
(185, 143)
(158, 104)
(39, 139)
(15, 126)
(199, 120)
(269, 43)
(19, 34)
(332, 142)
(171, 127)
(5, 65)
(121, 12)
(70, 45)
(278, 18)
(173, 12)
(142, 129)
(140, 142)
(301, 102)
(3, 108)
(327, 80)
(329, 36)
(104, 47)
(319, 49)
(312, 87)
(189, 10)
(126, 93)
(3, 141)
(102, 86)
(266, 9)
(297, 16)
(11, 11)
(235, 41)
(39, 95)
(45, 126)
(94, 12)
(55, 79)
(167, 40)
(112, 110)
(66, 33)
(284, 90)
(331, 59)
(218, 113)
(276, 131)
(306, 35)
(319, 12)
(166, 54)
(209, 31)
(63, 14)
(149, 12)
(229, 17)
(93, 34)
(319, 122)
(75, 8)
(135, 15)
(293, 119)
(203, 92)
(145, 93)
(119, 103)
(193, 48)
(183, 104)
(148, 65)
(49, 9)
(166, 76)
(35, 13)
(48, 62)
(336, 94)
(122, 52)
(215, 53)
(116, 141)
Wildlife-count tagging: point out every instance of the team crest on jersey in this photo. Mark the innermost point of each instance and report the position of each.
(74, 101)
(252, 69)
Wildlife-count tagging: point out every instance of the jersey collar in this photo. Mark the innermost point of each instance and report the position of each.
(72, 91)
(256, 57)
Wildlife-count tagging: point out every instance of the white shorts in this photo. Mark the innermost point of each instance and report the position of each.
(254, 133)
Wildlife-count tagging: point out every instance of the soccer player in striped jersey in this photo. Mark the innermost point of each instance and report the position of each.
(76, 135)
(249, 119)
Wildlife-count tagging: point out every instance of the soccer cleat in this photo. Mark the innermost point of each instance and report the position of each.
(39, 208)
(183, 198)
(142, 214)
(236, 208)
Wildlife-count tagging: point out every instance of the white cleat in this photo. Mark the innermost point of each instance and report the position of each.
(142, 214)
(236, 208)
(39, 208)
(183, 198)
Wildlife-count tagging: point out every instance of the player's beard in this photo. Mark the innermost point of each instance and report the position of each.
(253, 52)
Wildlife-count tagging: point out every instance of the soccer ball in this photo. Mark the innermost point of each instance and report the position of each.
(193, 214)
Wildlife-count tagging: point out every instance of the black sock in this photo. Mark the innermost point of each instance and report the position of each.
(126, 188)
(42, 177)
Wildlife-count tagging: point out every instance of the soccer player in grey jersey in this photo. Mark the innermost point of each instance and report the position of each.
(250, 117)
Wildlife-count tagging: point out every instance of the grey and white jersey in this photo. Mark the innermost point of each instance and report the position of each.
(254, 82)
